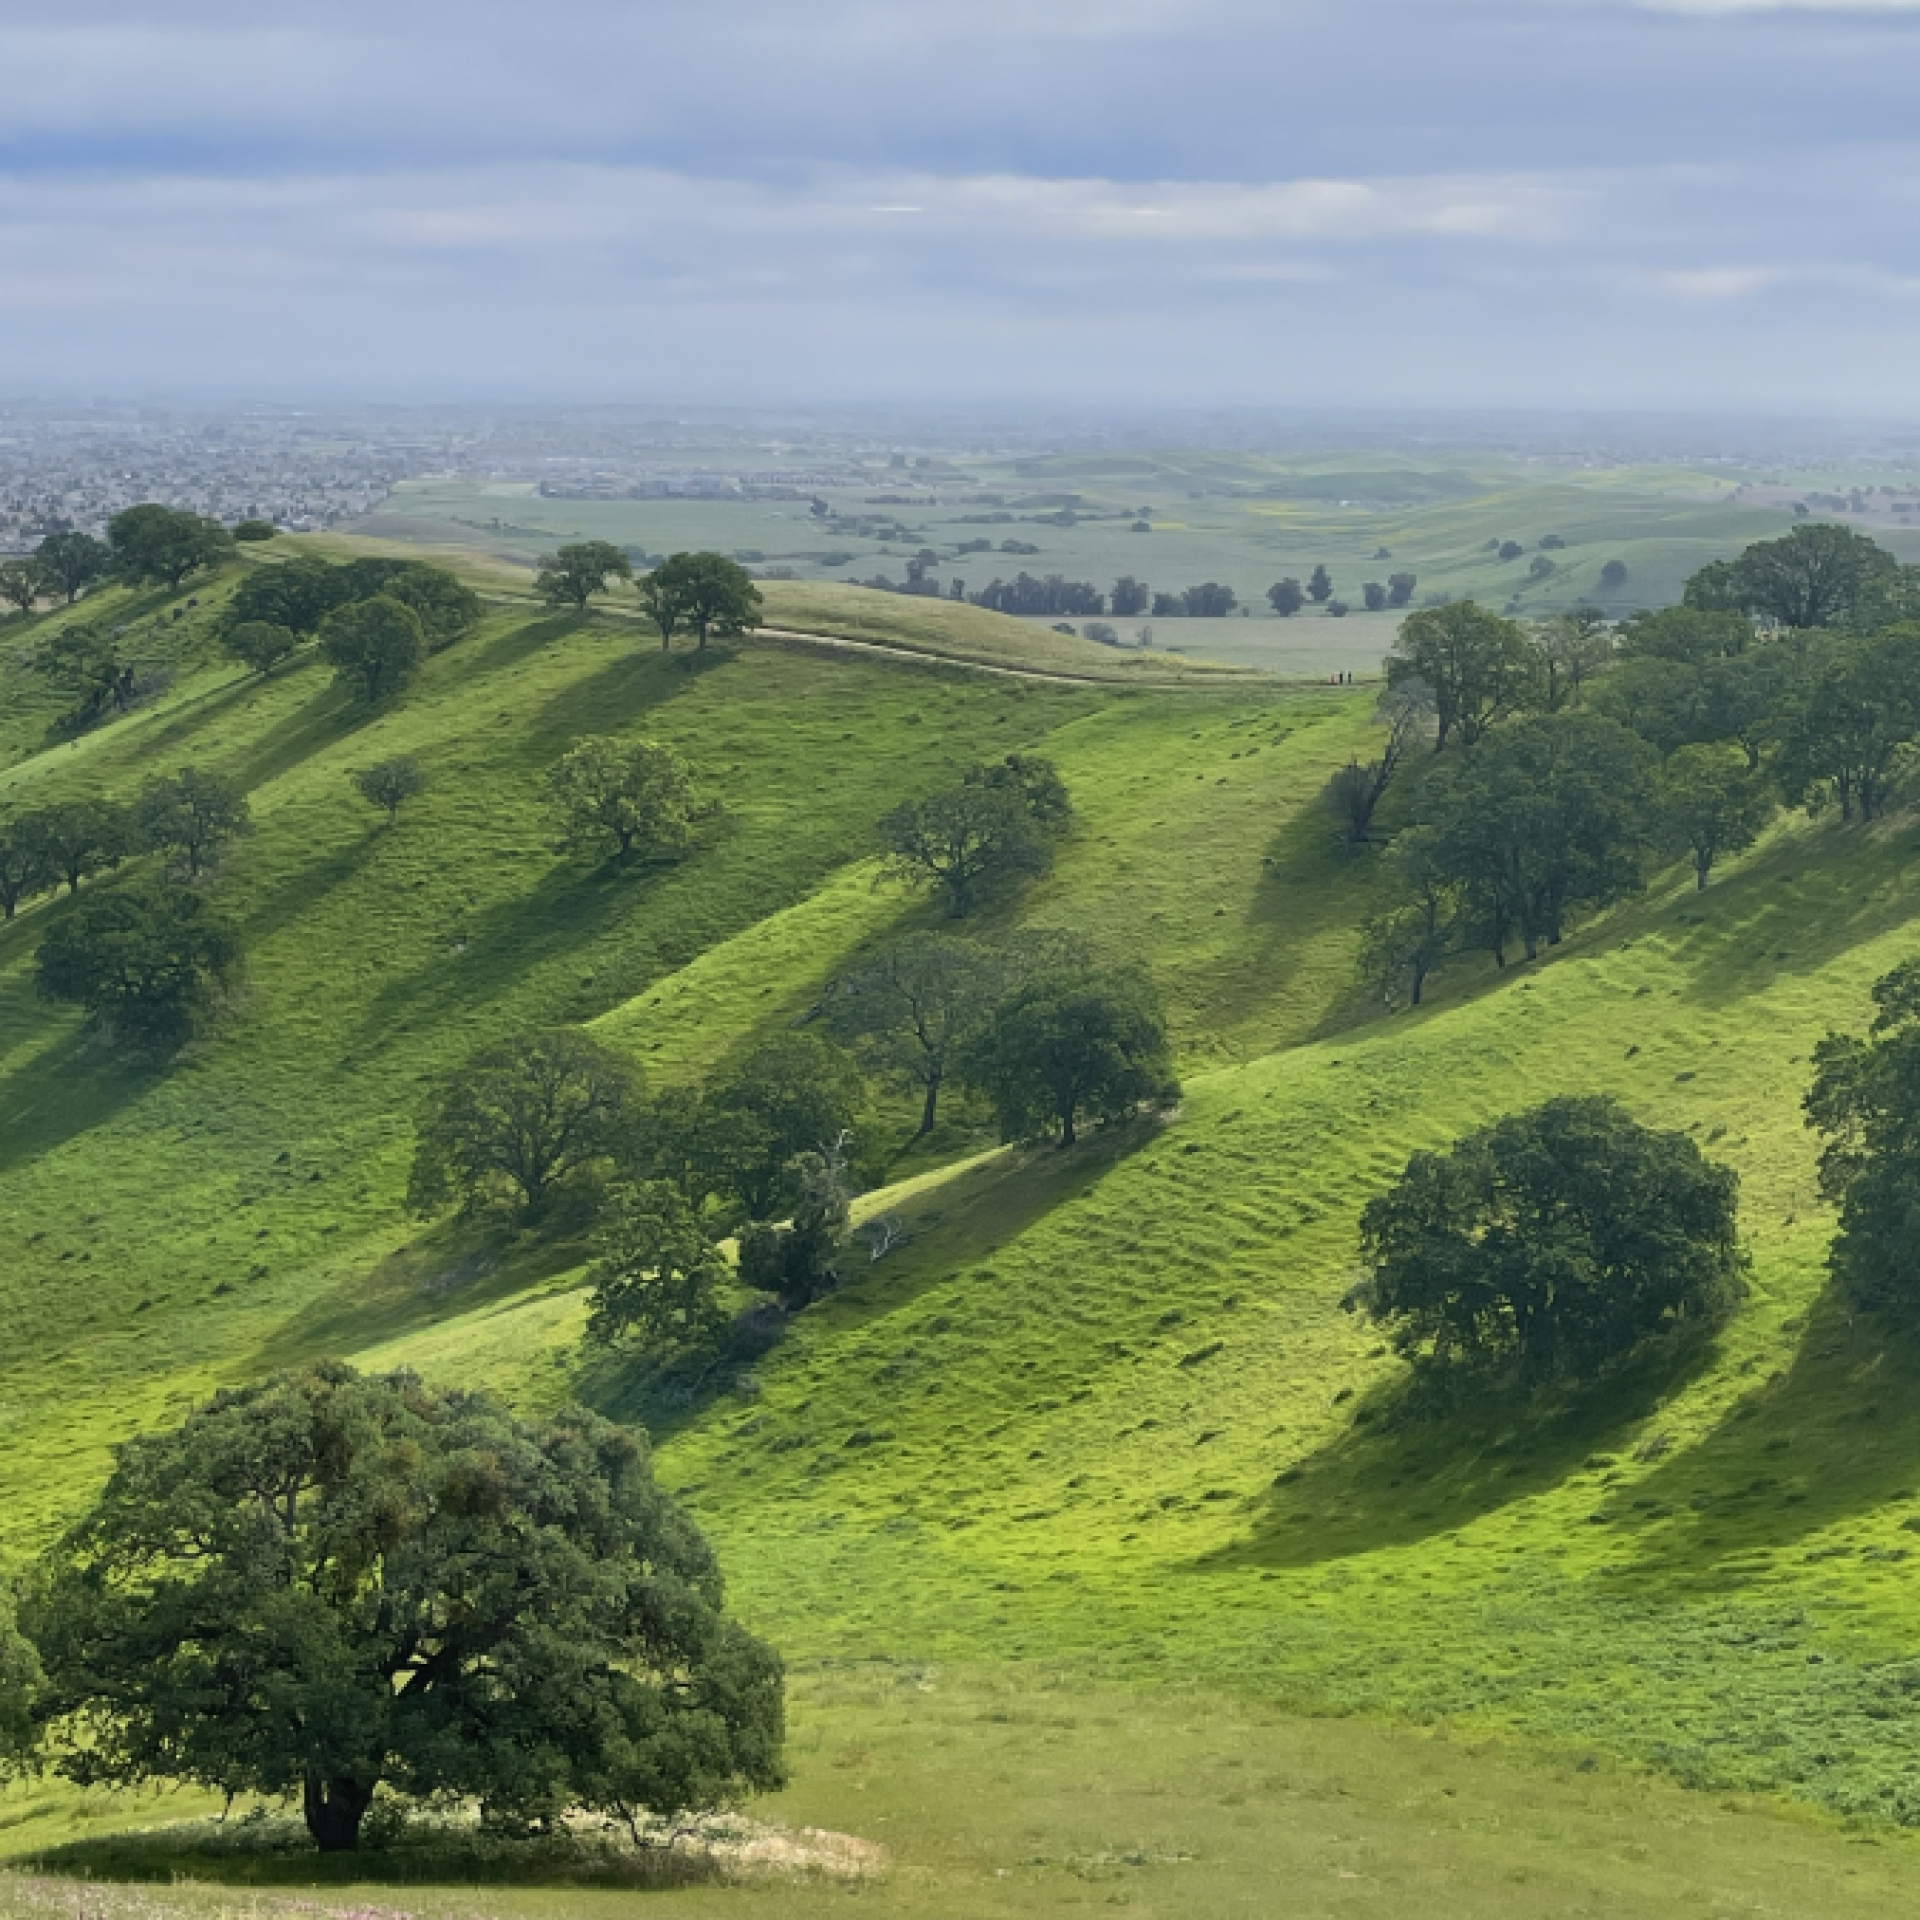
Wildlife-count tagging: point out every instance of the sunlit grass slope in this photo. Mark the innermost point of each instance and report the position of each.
(169, 1231)
(1102, 1412)
(1105, 1405)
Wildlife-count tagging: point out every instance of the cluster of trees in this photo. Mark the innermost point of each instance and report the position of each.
(766, 1150)
(147, 545)
(148, 961)
(1585, 753)
(335, 1586)
(704, 594)
(375, 620)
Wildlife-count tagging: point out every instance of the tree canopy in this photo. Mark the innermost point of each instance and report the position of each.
(996, 825)
(1070, 1044)
(573, 575)
(1546, 817)
(148, 963)
(911, 1009)
(1479, 667)
(389, 784)
(631, 798)
(1811, 576)
(1865, 1101)
(332, 1584)
(192, 814)
(375, 646)
(1551, 1243)
(705, 593)
(157, 545)
(70, 563)
(520, 1120)
(656, 1276)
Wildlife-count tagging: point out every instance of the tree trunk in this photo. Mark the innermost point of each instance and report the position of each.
(1700, 865)
(1419, 981)
(334, 1810)
(927, 1112)
(1067, 1134)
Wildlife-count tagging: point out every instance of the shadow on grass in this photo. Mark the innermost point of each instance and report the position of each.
(628, 686)
(1802, 903)
(276, 1852)
(950, 1225)
(454, 1267)
(570, 908)
(1833, 1435)
(76, 1084)
(1426, 1458)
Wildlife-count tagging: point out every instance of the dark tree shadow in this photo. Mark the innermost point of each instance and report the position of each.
(1427, 1457)
(454, 1267)
(1833, 1435)
(1794, 908)
(948, 1226)
(277, 1853)
(77, 1083)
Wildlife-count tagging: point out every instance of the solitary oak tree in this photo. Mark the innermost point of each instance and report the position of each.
(1551, 1243)
(521, 1119)
(390, 783)
(632, 798)
(572, 576)
(332, 1584)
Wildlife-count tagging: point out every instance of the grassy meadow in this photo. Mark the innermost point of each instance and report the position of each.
(1109, 1562)
(1245, 520)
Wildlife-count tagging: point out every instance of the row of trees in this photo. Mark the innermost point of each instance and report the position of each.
(1287, 597)
(185, 817)
(1053, 597)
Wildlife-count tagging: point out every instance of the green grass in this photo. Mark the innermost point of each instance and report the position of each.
(1099, 1427)
(999, 1795)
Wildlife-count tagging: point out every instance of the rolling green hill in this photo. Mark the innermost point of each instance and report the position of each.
(1097, 1440)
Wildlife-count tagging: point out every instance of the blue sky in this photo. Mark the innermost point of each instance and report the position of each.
(1666, 203)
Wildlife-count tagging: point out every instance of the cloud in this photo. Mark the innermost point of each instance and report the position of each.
(1717, 283)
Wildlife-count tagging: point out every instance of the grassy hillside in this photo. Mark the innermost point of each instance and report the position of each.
(1101, 1419)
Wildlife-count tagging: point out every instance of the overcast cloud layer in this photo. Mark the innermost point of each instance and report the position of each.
(1634, 202)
